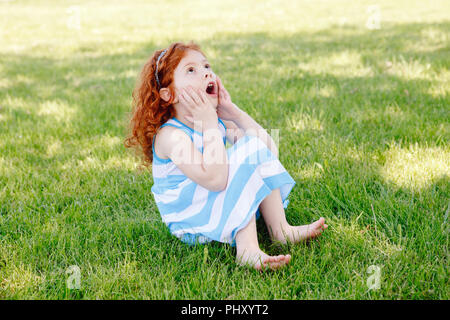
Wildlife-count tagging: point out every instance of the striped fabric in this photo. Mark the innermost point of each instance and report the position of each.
(196, 215)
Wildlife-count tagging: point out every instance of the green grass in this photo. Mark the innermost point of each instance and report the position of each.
(364, 119)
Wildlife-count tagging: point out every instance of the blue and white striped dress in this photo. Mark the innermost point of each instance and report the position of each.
(195, 214)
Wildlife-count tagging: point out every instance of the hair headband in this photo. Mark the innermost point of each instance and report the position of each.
(156, 70)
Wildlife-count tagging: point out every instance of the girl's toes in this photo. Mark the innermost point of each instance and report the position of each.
(271, 263)
(321, 222)
(276, 265)
(267, 265)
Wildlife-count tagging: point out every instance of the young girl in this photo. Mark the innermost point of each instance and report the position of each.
(182, 118)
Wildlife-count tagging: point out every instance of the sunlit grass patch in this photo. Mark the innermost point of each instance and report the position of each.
(59, 111)
(18, 279)
(54, 148)
(303, 121)
(415, 167)
(409, 69)
(441, 89)
(92, 162)
(309, 172)
(432, 39)
(391, 114)
(366, 238)
(345, 63)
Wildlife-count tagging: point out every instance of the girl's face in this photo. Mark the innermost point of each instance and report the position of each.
(194, 70)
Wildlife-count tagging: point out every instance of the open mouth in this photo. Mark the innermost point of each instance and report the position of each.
(211, 88)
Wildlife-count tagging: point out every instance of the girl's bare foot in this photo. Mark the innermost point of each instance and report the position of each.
(295, 234)
(259, 260)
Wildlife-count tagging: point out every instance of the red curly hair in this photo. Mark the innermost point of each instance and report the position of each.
(149, 110)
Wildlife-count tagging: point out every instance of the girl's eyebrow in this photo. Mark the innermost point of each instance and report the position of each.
(204, 60)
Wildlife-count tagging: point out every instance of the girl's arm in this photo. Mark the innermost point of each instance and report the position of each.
(238, 122)
(251, 127)
(233, 132)
(209, 169)
(203, 169)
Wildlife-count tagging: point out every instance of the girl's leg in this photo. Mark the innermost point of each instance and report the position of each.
(249, 253)
(273, 213)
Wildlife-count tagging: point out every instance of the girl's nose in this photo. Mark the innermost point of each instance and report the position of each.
(209, 74)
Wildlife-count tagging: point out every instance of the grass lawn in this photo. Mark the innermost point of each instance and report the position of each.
(364, 127)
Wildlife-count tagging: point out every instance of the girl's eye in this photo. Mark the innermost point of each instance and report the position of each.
(192, 68)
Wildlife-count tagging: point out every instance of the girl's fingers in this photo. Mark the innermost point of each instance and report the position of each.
(199, 97)
(194, 96)
(224, 93)
(219, 84)
(191, 98)
(182, 95)
(203, 96)
(187, 101)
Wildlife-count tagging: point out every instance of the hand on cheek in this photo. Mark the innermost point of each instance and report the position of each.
(177, 95)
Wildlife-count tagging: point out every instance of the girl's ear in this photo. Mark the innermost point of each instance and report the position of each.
(164, 93)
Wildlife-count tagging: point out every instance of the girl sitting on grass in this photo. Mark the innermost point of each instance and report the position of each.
(203, 191)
